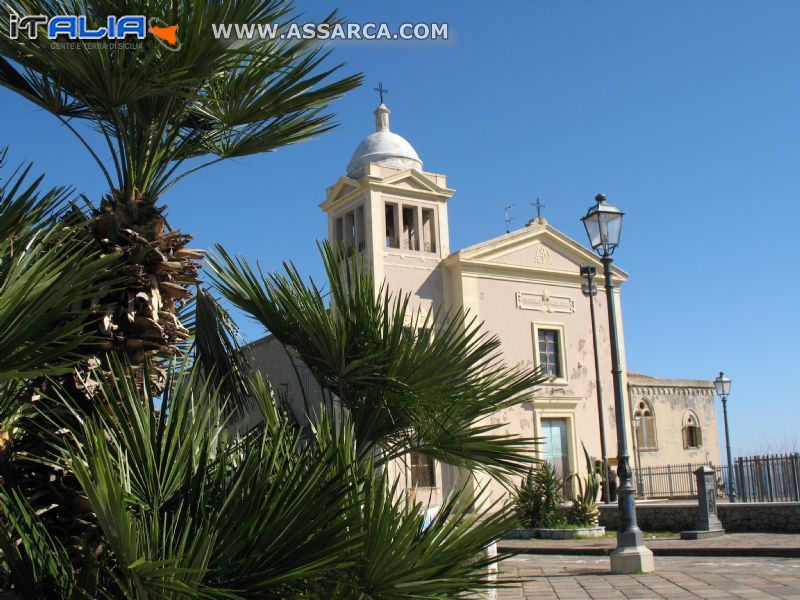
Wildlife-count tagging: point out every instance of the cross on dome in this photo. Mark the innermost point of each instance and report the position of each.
(381, 90)
(383, 146)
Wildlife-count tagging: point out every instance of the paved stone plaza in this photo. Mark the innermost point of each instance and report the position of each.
(574, 577)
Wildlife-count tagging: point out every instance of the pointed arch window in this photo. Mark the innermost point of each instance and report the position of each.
(692, 432)
(645, 422)
(423, 470)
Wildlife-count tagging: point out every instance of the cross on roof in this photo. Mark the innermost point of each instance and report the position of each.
(539, 206)
(381, 90)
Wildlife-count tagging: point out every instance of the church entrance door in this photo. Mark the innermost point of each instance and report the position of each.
(555, 448)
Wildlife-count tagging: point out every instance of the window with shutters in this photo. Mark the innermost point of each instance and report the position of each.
(550, 353)
(423, 470)
(644, 419)
(692, 433)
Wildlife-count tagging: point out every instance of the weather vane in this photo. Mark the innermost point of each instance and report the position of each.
(381, 90)
(539, 206)
(509, 218)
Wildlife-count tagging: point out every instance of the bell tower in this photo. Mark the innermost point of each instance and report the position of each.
(393, 213)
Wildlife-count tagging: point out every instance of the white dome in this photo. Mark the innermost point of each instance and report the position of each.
(384, 147)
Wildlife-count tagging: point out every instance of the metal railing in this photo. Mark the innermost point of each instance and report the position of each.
(409, 244)
(671, 481)
(770, 478)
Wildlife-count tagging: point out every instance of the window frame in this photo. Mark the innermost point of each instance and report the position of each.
(692, 431)
(414, 467)
(637, 409)
(563, 379)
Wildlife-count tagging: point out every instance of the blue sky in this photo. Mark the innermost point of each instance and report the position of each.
(684, 113)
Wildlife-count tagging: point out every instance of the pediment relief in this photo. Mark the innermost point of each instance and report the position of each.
(539, 247)
(539, 255)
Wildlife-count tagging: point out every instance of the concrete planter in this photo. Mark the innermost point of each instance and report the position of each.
(571, 533)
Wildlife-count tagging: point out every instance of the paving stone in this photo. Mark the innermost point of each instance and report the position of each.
(678, 577)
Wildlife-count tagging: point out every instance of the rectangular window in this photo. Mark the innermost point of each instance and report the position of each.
(339, 230)
(410, 229)
(350, 229)
(423, 471)
(392, 239)
(428, 231)
(360, 229)
(550, 353)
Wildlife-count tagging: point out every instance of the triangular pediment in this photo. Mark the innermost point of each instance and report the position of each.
(540, 253)
(415, 181)
(537, 247)
(342, 188)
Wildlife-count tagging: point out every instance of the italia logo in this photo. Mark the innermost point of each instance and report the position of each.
(76, 28)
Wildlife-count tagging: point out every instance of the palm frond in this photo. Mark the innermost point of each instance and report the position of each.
(48, 278)
(188, 509)
(427, 391)
(157, 108)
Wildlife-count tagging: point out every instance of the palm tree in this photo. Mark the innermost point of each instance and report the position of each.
(161, 115)
(429, 393)
(188, 506)
(149, 117)
(49, 278)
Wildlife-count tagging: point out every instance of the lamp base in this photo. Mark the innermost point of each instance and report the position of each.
(632, 559)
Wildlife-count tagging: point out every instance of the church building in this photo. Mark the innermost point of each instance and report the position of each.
(525, 286)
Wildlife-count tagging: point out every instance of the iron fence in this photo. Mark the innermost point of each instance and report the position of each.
(769, 478)
(671, 481)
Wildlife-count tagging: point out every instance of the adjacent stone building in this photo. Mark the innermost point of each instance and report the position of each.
(526, 287)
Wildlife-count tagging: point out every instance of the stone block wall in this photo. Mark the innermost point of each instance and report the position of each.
(739, 517)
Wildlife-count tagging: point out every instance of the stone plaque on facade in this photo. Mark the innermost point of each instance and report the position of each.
(545, 302)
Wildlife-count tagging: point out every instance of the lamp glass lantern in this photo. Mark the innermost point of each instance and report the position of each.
(723, 385)
(603, 225)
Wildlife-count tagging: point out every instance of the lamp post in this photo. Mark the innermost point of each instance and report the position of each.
(590, 289)
(603, 225)
(723, 386)
(637, 421)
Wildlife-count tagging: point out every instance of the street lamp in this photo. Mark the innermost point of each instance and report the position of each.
(637, 421)
(723, 386)
(603, 225)
(590, 289)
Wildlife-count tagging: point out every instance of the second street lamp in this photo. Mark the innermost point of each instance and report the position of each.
(722, 385)
(590, 289)
(603, 225)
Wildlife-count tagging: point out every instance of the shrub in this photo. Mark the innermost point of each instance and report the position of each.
(584, 511)
(538, 498)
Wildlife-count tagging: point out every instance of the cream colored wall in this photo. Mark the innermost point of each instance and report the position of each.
(290, 379)
(671, 401)
(487, 281)
(573, 398)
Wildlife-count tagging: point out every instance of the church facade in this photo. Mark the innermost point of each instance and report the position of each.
(525, 286)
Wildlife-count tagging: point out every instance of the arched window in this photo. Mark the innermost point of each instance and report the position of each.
(644, 420)
(692, 434)
(423, 470)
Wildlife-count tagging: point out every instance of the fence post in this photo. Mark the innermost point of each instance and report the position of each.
(669, 478)
(795, 464)
(691, 479)
(770, 480)
(650, 478)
